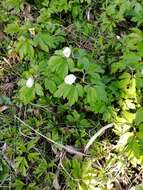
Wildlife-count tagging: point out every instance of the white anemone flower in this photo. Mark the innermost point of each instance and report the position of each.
(118, 37)
(30, 82)
(67, 52)
(70, 79)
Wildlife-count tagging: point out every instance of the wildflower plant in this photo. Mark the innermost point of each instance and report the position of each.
(71, 107)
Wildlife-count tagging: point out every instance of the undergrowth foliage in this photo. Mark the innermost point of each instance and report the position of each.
(67, 69)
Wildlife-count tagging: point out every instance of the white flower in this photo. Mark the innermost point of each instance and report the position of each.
(67, 52)
(118, 37)
(30, 82)
(70, 79)
(142, 71)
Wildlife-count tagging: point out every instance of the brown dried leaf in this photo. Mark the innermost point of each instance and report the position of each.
(72, 150)
(3, 108)
(56, 183)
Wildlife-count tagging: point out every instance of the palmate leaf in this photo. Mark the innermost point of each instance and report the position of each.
(25, 48)
(58, 65)
(96, 98)
(27, 94)
(39, 89)
(12, 28)
(139, 116)
(14, 4)
(50, 85)
(96, 93)
(58, 6)
(73, 95)
(71, 92)
(46, 41)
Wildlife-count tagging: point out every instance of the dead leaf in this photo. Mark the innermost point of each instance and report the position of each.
(3, 108)
(56, 183)
(94, 137)
(72, 150)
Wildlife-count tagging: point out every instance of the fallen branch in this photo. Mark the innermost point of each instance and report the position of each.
(69, 149)
(99, 133)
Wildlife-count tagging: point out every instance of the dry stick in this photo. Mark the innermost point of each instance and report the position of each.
(94, 137)
(69, 149)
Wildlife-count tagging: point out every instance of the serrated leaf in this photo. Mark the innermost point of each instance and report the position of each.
(27, 94)
(139, 116)
(73, 95)
(12, 28)
(43, 40)
(60, 91)
(118, 66)
(94, 68)
(80, 90)
(50, 85)
(58, 65)
(46, 41)
(139, 82)
(39, 89)
(18, 184)
(24, 48)
(67, 91)
(101, 93)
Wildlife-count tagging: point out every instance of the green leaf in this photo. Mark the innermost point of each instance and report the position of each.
(71, 92)
(18, 184)
(83, 62)
(139, 187)
(24, 48)
(17, 5)
(80, 90)
(33, 156)
(27, 94)
(43, 40)
(67, 90)
(119, 66)
(96, 93)
(59, 93)
(91, 94)
(39, 89)
(58, 65)
(42, 167)
(139, 82)
(94, 68)
(50, 85)
(73, 95)
(12, 28)
(96, 98)
(4, 170)
(21, 165)
(32, 143)
(139, 116)
(46, 41)
(101, 93)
